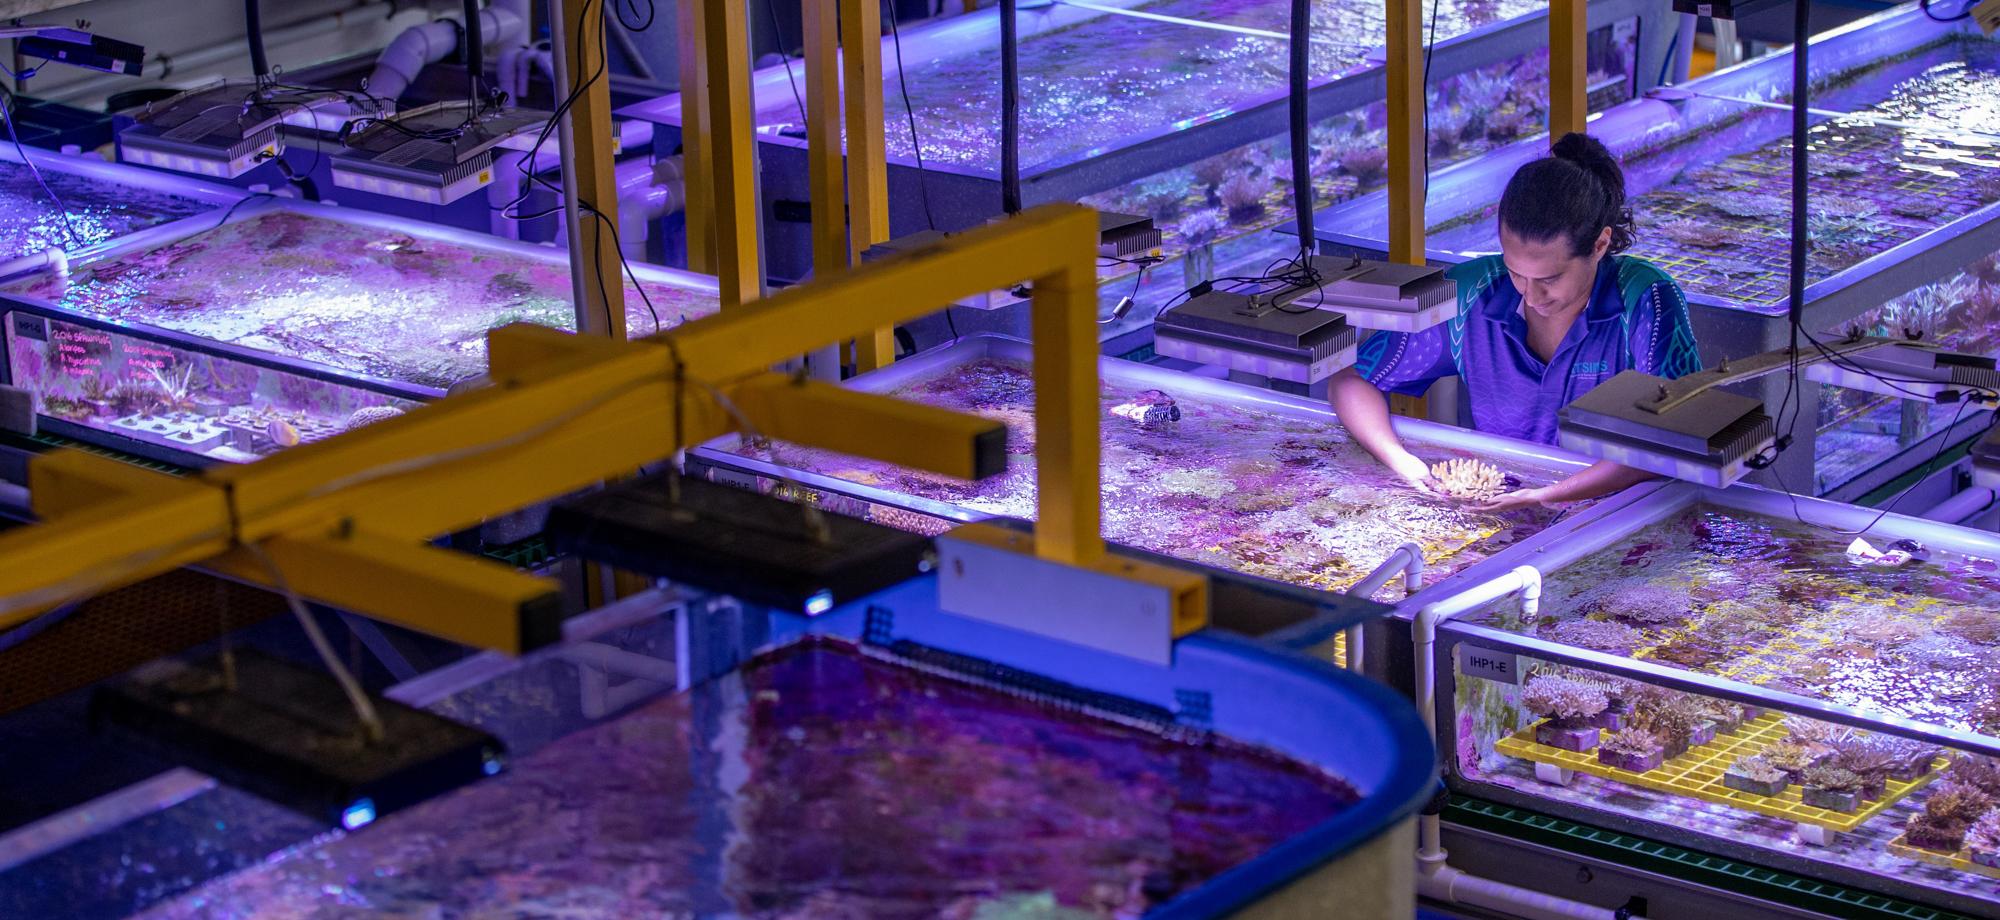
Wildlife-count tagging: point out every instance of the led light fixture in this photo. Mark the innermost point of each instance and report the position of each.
(222, 131)
(1709, 439)
(288, 733)
(1379, 295)
(756, 548)
(1257, 334)
(435, 154)
(76, 48)
(1911, 371)
(1119, 236)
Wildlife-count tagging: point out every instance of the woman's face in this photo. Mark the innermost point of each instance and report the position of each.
(1552, 279)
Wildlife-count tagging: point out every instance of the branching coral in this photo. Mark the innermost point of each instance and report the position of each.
(1200, 228)
(1599, 635)
(1866, 756)
(1981, 773)
(1720, 711)
(1948, 812)
(1365, 162)
(1467, 478)
(1637, 742)
(1561, 699)
(1984, 835)
(1670, 715)
(1756, 768)
(1788, 756)
(1813, 732)
(1832, 779)
(1243, 195)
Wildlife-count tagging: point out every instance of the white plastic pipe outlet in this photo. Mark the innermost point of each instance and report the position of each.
(504, 25)
(1408, 560)
(1436, 879)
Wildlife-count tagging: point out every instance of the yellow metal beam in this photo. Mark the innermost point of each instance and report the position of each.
(1406, 131)
(867, 155)
(1569, 94)
(603, 310)
(906, 434)
(698, 206)
(451, 595)
(823, 123)
(599, 410)
(739, 265)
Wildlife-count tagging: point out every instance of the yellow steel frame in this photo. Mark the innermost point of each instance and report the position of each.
(1569, 105)
(346, 518)
(1406, 131)
(823, 124)
(730, 154)
(699, 204)
(602, 311)
(867, 154)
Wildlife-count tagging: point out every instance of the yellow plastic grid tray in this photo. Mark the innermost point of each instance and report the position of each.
(1698, 774)
(1935, 858)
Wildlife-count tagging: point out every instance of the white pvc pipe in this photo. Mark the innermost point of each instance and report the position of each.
(1444, 883)
(502, 25)
(621, 662)
(505, 187)
(1407, 559)
(647, 191)
(1956, 509)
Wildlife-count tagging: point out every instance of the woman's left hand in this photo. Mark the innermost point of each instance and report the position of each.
(1515, 500)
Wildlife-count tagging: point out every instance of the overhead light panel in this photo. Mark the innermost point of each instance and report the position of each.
(222, 131)
(1911, 371)
(1708, 439)
(1379, 295)
(434, 154)
(1256, 334)
(76, 48)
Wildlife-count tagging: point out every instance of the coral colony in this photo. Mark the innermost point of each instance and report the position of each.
(1466, 478)
(663, 813)
(1242, 488)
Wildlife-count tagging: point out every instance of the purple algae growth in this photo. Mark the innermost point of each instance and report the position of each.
(818, 782)
(345, 295)
(1238, 487)
(30, 222)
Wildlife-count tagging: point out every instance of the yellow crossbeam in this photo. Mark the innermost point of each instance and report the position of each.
(344, 518)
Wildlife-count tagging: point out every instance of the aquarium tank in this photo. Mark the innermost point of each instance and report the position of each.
(72, 204)
(1212, 473)
(743, 797)
(1745, 675)
(288, 323)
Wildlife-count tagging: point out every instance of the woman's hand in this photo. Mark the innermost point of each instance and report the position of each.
(1515, 501)
(1413, 471)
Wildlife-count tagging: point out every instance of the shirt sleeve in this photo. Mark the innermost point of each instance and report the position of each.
(1407, 362)
(1663, 341)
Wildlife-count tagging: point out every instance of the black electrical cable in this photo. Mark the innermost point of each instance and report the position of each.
(916, 144)
(253, 29)
(778, 38)
(1297, 74)
(1010, 106)
(475, 50)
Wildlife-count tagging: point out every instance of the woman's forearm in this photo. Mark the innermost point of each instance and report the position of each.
(1365, 413)
(1598, 479)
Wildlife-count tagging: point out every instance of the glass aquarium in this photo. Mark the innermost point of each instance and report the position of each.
(1736, 671)
(830, 778)
(1183, 120)
(288, 322)
(74, 204)
(1209, 472)
(1903, 146)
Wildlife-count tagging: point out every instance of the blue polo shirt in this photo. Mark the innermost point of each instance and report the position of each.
(1636, 320)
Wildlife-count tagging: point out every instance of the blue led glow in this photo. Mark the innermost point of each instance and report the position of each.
(358, 814)
(491, 765)
(819, 603)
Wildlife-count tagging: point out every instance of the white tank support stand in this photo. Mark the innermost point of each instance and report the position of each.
(1407, 559)
(1436, 879)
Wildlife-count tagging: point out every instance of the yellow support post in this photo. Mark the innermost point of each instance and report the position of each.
(1569, 94)
(594, 248)
(699, 205)
(346, 518)
(867, 154)
(739, 265)
(1406, 131)
(823, 122)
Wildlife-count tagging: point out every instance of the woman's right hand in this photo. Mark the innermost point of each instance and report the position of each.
(1413, 471)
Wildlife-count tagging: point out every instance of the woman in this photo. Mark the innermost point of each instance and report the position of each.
(1557, 312)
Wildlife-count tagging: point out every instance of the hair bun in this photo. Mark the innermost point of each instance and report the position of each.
(1591, 154)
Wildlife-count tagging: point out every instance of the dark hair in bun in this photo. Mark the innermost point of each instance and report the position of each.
(1574, 193)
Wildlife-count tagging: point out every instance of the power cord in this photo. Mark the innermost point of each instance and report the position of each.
(7, 113)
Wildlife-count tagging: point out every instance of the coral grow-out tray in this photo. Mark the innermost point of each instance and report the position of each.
(1901, 847)
(94, 203)
(1698, 774)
